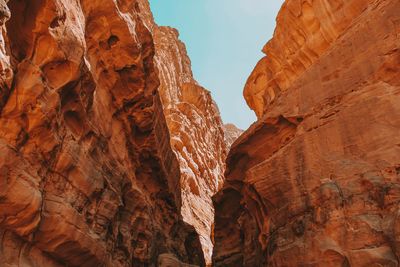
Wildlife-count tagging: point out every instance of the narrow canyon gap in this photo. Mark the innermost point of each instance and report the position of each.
(224, 40)
(111, 152)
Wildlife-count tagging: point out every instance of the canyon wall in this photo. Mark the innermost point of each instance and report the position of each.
(232, 133)
(196, 131)
(315, 181)
(88, 176)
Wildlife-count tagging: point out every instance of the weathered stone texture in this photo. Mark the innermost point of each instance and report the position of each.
(87, 173)
(232, 133)
(196, 130)
(315, 182)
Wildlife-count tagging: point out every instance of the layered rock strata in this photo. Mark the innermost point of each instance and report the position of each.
(315, 181)
(197, 136)
(87, 173)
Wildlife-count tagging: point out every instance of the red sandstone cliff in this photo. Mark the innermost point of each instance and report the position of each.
(88, 176)
(315, 181)
(196, 131)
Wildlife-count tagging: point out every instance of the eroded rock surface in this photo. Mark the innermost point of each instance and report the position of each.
(231, 134)
(315, 182)
(169, 260)
(87, 173)
(196, 130)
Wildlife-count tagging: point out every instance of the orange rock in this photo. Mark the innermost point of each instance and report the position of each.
(231, 134)
(196, 130)
(315, 181)
(88, 176)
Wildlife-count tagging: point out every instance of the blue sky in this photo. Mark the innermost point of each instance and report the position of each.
(224, 39)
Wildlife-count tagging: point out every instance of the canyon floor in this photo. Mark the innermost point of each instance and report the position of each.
(112, 154)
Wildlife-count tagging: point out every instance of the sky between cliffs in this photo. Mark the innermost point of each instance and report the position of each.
(224, 39)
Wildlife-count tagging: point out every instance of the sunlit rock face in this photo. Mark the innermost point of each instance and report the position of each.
(87, 173)
(315, 182)
(196, 131)
(231, 134)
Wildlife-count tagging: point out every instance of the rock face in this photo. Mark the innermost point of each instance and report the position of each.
(231, 133)
(88, 176)
(197, 136)
(315, 181)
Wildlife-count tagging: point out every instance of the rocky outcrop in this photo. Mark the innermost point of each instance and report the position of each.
(197, 136)
(315, 181)
(231, 134)
(169, 260)
(87, 173)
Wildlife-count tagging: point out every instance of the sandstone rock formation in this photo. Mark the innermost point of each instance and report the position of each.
(196, 130)
(87, 173)
(231, 133)
(315, 182)
(169, 260)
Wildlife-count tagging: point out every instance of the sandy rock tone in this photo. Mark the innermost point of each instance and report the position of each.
(88, 176)
(315, 182)
(196, 131)
(232, 133)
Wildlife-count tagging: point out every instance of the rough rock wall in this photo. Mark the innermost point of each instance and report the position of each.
(87, 173)
(196, 130)
(231, 133)
(306, 30)
(315, 182)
